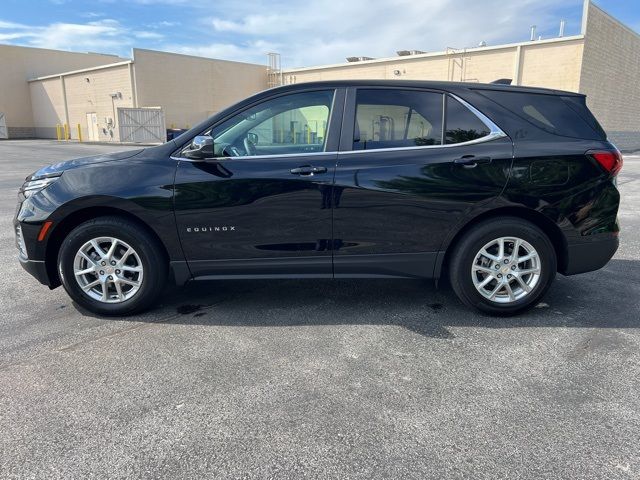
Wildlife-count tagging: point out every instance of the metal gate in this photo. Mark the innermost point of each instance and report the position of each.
(142, 125)
(3, 126)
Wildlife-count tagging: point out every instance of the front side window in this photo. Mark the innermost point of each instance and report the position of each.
(397, 118)
(296, 123)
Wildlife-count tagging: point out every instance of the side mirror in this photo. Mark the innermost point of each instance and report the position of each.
(201, 147)
(252, 137)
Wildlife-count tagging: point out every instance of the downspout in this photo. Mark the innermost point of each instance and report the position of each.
(517, 66)
(134, 85)
(66, 107)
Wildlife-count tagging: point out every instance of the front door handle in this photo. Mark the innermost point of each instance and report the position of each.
(308, 170)
(471, 161)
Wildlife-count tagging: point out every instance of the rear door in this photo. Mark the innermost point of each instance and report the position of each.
(413, 164)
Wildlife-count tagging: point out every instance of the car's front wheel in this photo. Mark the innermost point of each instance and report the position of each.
(112, 266)
(503, 266)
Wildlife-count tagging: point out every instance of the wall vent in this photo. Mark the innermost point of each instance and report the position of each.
(358, 59)
(406, 53)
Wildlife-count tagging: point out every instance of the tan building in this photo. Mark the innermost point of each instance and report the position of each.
(17, 64)
(602, 62)
(136, 100)
(115, 99)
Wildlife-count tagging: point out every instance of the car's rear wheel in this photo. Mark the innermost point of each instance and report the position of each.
(112, 266)
(503, 266)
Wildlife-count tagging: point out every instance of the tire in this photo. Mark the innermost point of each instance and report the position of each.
(474, 275)
(135, 273)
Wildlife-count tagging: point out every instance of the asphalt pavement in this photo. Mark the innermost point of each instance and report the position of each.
(319, 379)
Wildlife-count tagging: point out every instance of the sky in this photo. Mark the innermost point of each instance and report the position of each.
(305, 33)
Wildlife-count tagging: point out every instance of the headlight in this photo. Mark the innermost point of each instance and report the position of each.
(32, 186)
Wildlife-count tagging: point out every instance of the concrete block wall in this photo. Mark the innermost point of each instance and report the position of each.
(90, 92)
(549, 63)
(190, 89)
(19, 64)
(86, 92)
(610, 76)
(47, 106)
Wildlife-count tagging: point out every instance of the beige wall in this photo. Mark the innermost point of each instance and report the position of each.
(190, 89)
(553, 64)
(47, 103)
(18, 64)
(610, 77)
(86, 92)
(95, 96)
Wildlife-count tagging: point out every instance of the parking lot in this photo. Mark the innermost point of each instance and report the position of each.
(319, 379)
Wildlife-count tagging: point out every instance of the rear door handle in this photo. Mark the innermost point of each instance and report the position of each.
(471, 161)
(308, 170)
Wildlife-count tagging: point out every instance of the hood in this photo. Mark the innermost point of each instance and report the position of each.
(58, 168)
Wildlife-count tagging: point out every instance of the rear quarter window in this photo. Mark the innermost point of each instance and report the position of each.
(565, 116)
(462, 124)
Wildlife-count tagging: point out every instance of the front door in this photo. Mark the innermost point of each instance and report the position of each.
(414, 164)
(262, 203)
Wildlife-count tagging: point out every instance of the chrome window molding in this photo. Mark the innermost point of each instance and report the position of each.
(493, 128)
(495, 132)
(486, 138)
(254, 157)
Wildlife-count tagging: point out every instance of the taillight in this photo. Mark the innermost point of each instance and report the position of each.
(610, 160)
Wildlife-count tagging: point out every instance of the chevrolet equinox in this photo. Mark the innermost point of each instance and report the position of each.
(498, 187)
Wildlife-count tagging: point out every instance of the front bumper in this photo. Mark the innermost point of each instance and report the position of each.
(38, 269)
(30, 252)
(591, 254)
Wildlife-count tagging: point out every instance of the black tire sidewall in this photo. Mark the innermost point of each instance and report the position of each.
(468, 248)
(148, 251)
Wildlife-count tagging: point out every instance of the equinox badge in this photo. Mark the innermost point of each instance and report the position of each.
(226, 228)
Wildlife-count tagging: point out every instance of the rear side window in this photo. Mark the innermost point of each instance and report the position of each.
(397, 118)
(462, 124)
(553, 113)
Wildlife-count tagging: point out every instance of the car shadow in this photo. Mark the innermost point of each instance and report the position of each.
(608, 298)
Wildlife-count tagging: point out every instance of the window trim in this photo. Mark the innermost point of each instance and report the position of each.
(495, 132)
(345, 111)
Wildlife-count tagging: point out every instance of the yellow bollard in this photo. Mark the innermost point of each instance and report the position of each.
(66, 131)
(59, 131)
(79, 133)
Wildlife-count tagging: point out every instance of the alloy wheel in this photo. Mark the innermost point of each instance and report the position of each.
(506, 270)
(108, 269)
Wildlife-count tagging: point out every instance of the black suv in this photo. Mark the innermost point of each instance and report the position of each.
(499, 187)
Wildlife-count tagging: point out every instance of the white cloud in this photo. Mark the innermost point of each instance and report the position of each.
(106, 35)
(163, 24)
(252, 52)
(12, 25)
(305, 33)
(92, 14)
(148, 35)
(328, 31)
